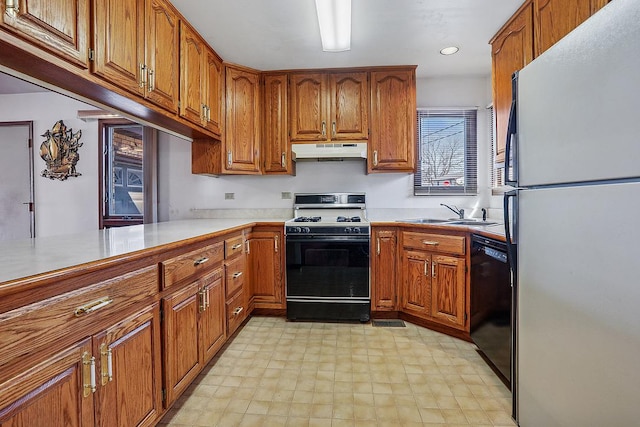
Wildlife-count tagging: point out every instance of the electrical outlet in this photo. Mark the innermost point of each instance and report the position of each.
(286, 195)
(229, 196)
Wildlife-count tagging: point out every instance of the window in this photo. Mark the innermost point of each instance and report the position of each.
(447, 152)
(125, 192)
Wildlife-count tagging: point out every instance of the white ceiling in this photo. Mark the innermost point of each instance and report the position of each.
(284, 34)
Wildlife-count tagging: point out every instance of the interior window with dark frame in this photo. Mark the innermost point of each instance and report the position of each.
(447, 152)
(123, 184)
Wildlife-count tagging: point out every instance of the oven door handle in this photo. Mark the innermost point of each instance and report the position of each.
(319, 238)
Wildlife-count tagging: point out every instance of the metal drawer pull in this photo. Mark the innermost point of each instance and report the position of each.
(433, 269)
(88, 374)
(92, 306)
(375, 158)
(430, 242)
(426, 268)
(236, 246)
(237, 274)
(106, 364)
(237, 311)
(200, 261)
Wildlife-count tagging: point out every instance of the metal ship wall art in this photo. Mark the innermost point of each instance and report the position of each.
(60, 152)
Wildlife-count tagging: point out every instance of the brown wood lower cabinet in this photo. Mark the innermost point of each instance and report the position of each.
(434, 277)
(124, 363)
(193, 331)
(384, 250)
(266, 262)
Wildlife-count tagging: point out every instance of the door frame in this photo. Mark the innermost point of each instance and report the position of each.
(32, 204)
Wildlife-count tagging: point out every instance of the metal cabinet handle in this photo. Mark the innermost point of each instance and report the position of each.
(283, 160)
(202, 305)
(12, 7)
(275, 243)
(208, 113)
(236, 246)
(426, 268)
(430, 242)
(324, 128)
(375, 157)
(247, 247)
(106, 364)
(200, 261)
(377, 246)
(238, 310)
(333, 128)
(229, 158)
(88, 374)
(433, 269)
(143, 75)
(92, 306)
(203, 112)
(237, 274)
(207, 296)
(152, 80)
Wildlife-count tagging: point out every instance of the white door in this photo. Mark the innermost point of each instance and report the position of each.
(16, 176)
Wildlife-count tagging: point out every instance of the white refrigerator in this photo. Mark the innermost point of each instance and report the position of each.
(574, 222)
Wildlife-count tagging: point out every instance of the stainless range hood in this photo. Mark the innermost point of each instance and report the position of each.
(332, 150)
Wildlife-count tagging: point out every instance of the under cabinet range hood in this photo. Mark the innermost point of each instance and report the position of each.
(330, 150)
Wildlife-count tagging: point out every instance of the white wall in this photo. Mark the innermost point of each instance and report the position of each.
(180, 192)
(61, 207)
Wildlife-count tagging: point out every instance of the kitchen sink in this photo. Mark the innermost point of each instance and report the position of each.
(452, 221)
(425, 221)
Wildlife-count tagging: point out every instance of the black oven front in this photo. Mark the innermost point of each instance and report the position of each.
(327, 277)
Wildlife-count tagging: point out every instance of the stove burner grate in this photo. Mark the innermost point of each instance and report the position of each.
(307, 219)
(351, 219)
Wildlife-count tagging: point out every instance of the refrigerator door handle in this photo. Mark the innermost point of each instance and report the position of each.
(510, 220)
(510, 154)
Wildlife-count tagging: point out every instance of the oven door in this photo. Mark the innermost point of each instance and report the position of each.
(327, 267)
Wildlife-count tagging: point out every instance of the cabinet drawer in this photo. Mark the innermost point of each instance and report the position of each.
(233, 246)
(234, 275)
(434, 242)
(29, 329)
(236, 312)
(191, 264)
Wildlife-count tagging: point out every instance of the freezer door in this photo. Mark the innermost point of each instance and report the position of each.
(578, 103)
(578, 298)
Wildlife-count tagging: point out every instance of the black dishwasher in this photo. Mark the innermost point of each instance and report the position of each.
(491, 304)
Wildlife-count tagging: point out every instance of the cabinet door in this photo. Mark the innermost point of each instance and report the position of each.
(242, 132)
(554, 19)
(192, 51)
(214, 93)
(129, 371)
(308, 107)
(163, 44)
(52, 393)
(448, 290)
(276, 149)
(512, 49)
(60, 26)
(384, 265)
(181, 349)
(212, 314)
(349, 98)
(119, 43)
(416, 283)
(393, 121)
(265, 265)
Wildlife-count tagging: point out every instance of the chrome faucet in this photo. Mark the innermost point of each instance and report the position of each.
(459, 212)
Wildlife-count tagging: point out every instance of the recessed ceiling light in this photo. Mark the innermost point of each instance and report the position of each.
(449, 50)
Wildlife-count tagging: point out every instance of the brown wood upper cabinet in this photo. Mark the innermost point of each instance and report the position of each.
(136, 48)
(241, 143)
(534, 28)
(59, 26)
(329, 106)
(276, 149)
(393, 121)
(201, 81)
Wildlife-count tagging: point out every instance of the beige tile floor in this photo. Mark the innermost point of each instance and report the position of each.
(279, 373)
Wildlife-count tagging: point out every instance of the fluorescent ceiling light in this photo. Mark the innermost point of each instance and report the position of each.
(334, 18)
(449, 50)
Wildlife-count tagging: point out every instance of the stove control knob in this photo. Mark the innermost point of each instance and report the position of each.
(306, 230)
(356, 230)
(348, 229)
(297, 229)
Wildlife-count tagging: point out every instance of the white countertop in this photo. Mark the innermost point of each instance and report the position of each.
(29, 257)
